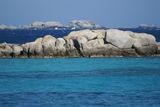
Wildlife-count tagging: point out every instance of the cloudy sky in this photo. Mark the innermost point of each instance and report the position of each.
(109, 13)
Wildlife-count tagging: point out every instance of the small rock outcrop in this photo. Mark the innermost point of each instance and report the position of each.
(86, 43)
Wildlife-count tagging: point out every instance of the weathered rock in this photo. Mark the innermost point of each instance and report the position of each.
(95, 43)
(26, 49)
(86, 43)
(120, 39)
(101, 34)
(17, 50)
(88, 34)
(49, 45)
(143, 38)
(71, 49)
(38, 49)
(60, 44)
(33, 48)
(93, 47)
(147, 50)
(158, 51)
(61, 47)
(145, 44)
(5, 50)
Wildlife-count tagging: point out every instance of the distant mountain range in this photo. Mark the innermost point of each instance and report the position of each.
(149, 27)
(73, 25)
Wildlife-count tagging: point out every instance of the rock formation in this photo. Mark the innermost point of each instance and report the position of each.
(86, 43)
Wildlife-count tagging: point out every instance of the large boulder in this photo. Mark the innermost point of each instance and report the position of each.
(87, 40)
(37, 47)
(143, 39)
(61, 47)
(26, 47)
(5, 50)
(93, 47)
(144, 44)
(17, 50)
(60, 44)
(93, 44)
(40, 47)
(33, 48)
(101, 34)
(48, 44)
(120, 39)
(88, 34)
(70, 48)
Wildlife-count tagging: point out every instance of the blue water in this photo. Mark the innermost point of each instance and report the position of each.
(80, 82)
(20, 36)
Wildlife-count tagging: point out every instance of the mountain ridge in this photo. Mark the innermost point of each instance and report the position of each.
(75, 24)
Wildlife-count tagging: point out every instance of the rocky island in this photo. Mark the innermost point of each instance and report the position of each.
(85, 43)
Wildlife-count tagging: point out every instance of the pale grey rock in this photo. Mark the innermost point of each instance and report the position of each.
(26, 47)
(38, 49)
(48, 44)
(70, 44)
(142, 39)
(61, 46)
(17, 50)
(70, 48)
(5, 50)
(88, 34)
(93, 44)
(33, 48)
(101, 34)
(82, 40)
(120, 39)
(145, 44)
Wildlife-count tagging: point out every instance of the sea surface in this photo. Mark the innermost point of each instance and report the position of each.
(80, 82)
(19, 36)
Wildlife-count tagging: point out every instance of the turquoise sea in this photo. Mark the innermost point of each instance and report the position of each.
(80, 82)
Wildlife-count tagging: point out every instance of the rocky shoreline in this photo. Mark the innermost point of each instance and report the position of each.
(85, 43)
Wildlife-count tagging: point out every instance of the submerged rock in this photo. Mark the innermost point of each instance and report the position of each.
(86, 43)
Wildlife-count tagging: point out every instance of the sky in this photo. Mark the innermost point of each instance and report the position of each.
(109, 13)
